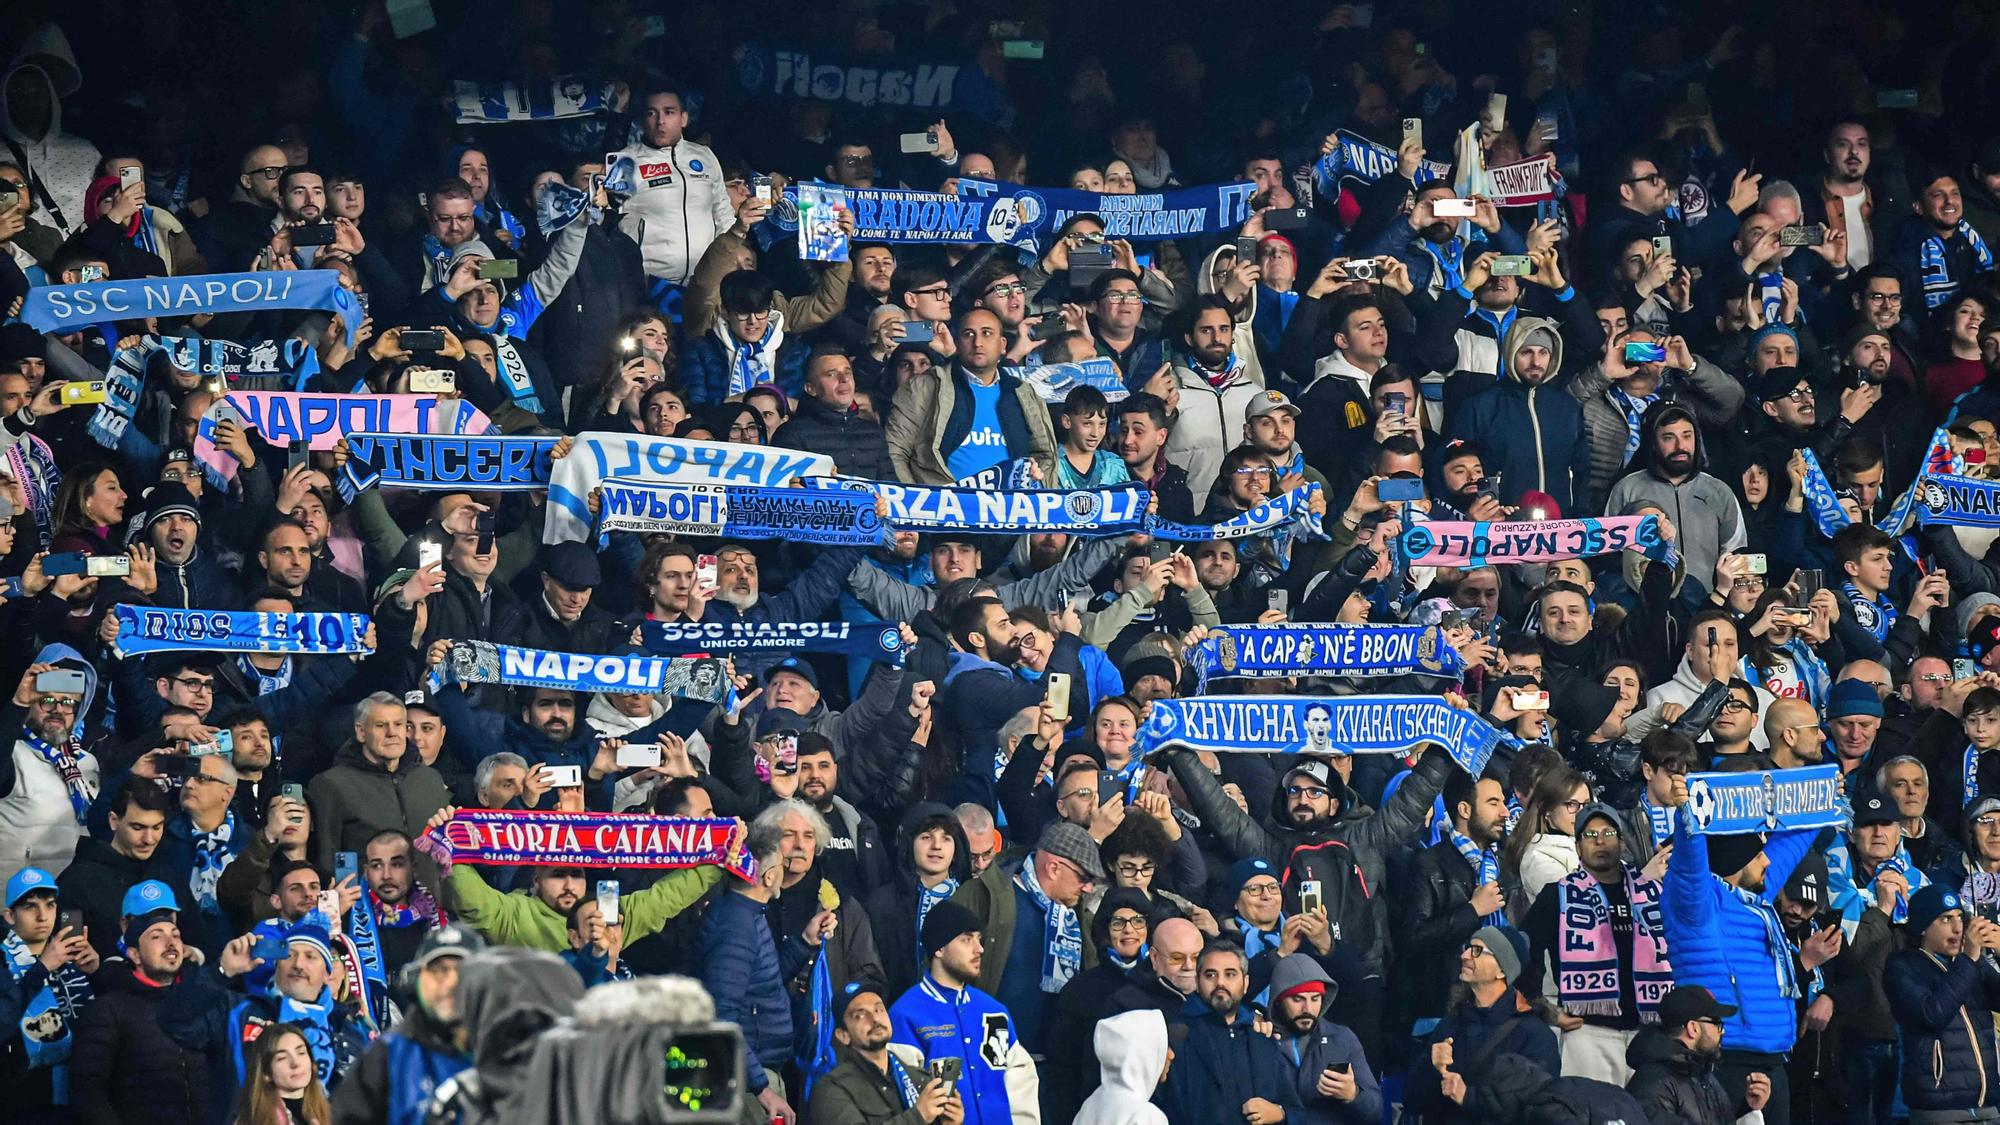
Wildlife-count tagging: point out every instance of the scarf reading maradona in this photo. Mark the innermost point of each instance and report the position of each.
(1062, 951)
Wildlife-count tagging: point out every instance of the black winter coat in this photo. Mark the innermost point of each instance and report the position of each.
(575, 331)
(858, 446)
(95, 882)
(1434, 920)
(124, 1069)
(1674, 1083)
(1942, 1008)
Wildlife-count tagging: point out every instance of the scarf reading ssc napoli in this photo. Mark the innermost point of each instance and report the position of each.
(1267, 651)
(1466, 545)
(147, 629)
(844, 638)
(1721, 804)
(1956, 501)
(631, 841)
(483, 662)
(54, 308)
(1329, 725)
(487, 463)
(801, 515)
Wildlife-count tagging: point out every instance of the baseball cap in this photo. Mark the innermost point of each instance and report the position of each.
(1983, 637)
(1874, 809)
(855, 990)
(801, 668)
(448, 941)
(1269, 402)
(421, 699)
(1067, 841)
(1691, 1002)
(1313, 768)
(146, 897)
(27, 881)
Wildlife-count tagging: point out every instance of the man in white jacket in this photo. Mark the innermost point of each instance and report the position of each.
(1713, 653)
(678, 202)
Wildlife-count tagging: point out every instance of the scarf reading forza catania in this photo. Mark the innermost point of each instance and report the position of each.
(583, 839)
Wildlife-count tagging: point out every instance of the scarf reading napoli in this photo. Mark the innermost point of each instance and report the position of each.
(633, 841)
(1331, 725)
(1724, 804)
(52, 308)
(1464, 544)
(483, 662)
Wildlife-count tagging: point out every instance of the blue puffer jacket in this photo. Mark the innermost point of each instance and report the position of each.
(746, 974)
(1949, 1052)
(1220, 1065)
(1723, 943)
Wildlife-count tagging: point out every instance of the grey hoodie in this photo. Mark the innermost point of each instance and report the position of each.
(64, 163)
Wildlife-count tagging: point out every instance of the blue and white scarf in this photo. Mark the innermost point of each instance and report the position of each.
(1087, 511)
(62, 999)
(124, 382)
(1777, 947)
(211, 854)
(1875, 614)
(267, 682)
(1485, 867)
(753, 364)
(1448, 258)
(1266, 651)
(1347, 724)
(1811, 671)
(439, 258)
(51, 308)
(598, 457)
(1634, 409)
(67, 762)
(514, 376)
(1851, 900)
(845, 638)
(1272, 515)
(1062, 949)
(1934, 264)
(1820, 501)
(1660, 820)
(928, 897)
(482, 662)
(147, 629)
(1957, 501)
(827, 517)
(454, 462)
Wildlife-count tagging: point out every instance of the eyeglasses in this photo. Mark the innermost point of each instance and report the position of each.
(1306, 791)
(856, 161)
(1476, 949)
(1754, 581)
(1799, 394)
(1735, 705)
(939, 290)
(58, 703)
(1986, 822)
(1649, 178)
(1247, 471)
(195, 683)
(1079, 793)
(1574, 806)
(1885, 298)
(1934, 677)
(1261, 890)
(1600, 833)
(268, 173)
(1008, 290)
(1137, 870)
(1183, 959)
(760, 314)
(1123, 298)
(1134, 922)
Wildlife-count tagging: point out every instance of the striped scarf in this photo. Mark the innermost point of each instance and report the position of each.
(67, 760)
(1485, 867)
(1776, 946)
(1634, 409)
(755, 363)
(31, 462)
(1934, 263)
(267, 682)
(1588, 968)
(1062, 950)
(1228, 375)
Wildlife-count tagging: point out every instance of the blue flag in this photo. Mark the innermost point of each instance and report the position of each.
(147, 629)
(844, 638)
(486, 463)
(1720, 804)
(1269, 651)
(833, 517)
(58, 308)
(1293, 724)
(1024, 216)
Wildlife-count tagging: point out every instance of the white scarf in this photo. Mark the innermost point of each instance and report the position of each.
(754, 363)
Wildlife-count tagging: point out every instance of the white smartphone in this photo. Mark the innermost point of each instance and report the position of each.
(564, 777)
(1454, 208)
(639, 755)
(1059, 695)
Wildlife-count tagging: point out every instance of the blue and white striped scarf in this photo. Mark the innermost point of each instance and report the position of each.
(1634, 409)
(1062, 950)
(267, 682)
(1485, 867)
(928, 897)
(1776, 945)
(755, 363)
(1851, 900)
(1934, 264)
(211, 855)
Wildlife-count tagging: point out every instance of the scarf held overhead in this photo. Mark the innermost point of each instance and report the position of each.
(844, 638)
(801, 515)
(1352, 724)
(1468, 545)
(489, 463)
(1267, 651)
(597, 457)
(551, 99)
(322, 420)
(1097, 511)
(57, 308)
(483, 662)
(1025, 216)
(146, 629)
(632, 841)
(1721, 804)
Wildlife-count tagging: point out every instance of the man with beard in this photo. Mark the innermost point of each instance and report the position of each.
(1615, 395)
(1457, 479)
(981, 692)
(394, 1080)
(1935, 245)
(1489, 1017)
(405, 908)
(739, 594)
(1674, 1063)
(1535, 441)
(125, 1066)
(289, 564)
(1724, 933)
(946, 1016)
(301, 202)
(878, 1082)
(1145, 426)
(1792, 418)
(1879, 301)
(188, 577)
(853, 859)
(1707, 521)
(1456, 891)
(47, 779)
(1844, 201)
(1896, 423)
(1334, 1082)
(1168, 979)
(1224, 1070)
(1600, 937)
(1215, 389)
(1792, 728)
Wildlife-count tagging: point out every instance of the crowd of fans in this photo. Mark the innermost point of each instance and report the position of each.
(965, 885)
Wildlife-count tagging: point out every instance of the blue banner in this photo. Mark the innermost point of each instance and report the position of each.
(934, 88)
(59, 308)
(491, 463)
(1055, 381)
(830, 517)
(1272, 651)
(1958, 502)
(284, 361)
(551, 99)
(1091, 511)
(598, 457)
(1295, 724)
(1819, 499)
(894, 215)
(1355, 157)
(147, 629)
(1269, 516)
(1722, 804)
(483, 662)
(843, 638)
(1024, 216)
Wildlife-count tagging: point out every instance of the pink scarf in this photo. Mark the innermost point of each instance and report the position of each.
(1587, 965)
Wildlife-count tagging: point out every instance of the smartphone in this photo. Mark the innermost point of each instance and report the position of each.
(1022, 49)
(173, 765)
(269, 948)
(107, 566)
(293, 791)
(1758, 564)
(1413, 130)
(1895, 99)
(8, 199)
(1086, 262)
(312, 234)
(433, 381)
(1049, 328)
(639, 755)
(345, 864)
(329, 905)
(80, 394)
(950, 1068)
(1454, 208)
(420, 339)
(919, 332)
(1277, 598)
(785, 759)
(1397, 403)
(497, 268)
(760, 187)
(704, 570)
(1512, 265)
(1663, 246)
(1059, 695)
(1964, 669)
(1795, 616)
(1005, 29)
(564, 777)
(68, 562)
(1246, 248)
(224, 744)
(1342, 1068)
(429, 553)
(63, 680)
(129, 175)
(919, 142)
(90, 273)
(69, 919)
(607, 900)
(1640, 352)
(1496, 108)
(1810, 582)
(1285, 218)
(1527, 700)
(1362, 269)
(1309, 896)
(1399, 490)
(1811, 234)
(298, 453)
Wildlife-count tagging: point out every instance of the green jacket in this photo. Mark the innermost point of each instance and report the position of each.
(355, 799)
(991, 898)
(855, 1093)
(522, 919)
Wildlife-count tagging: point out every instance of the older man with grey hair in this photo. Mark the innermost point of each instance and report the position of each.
(373, 784)
(807, 900)
(1906, 782)
(503, 776)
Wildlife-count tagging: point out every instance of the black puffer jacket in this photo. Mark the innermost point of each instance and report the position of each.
(858, 446)
(892, 908)
(1948, 1044)
(1673, 1083)
(1517, 1092)
(124, 1068)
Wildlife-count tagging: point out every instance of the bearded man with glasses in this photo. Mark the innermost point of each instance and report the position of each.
(1648, 207)
(49, 780)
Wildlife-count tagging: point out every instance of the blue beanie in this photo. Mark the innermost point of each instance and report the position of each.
(1852, 697)
(1244, 870)
(307, 933)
